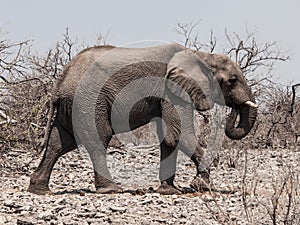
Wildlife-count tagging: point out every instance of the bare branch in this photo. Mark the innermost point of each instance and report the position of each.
(186, 30)
(11, 62)
(102, 39)
(251, 55)
(291, 111)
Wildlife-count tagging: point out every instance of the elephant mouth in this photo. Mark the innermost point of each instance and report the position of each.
(241, 120)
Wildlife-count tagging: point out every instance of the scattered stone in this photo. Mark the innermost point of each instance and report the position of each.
(146, 202)
(24, 222)
(12, 204)
(87, 215)
(47, 216)
(3, 219)
(75, 203)
(118, 209)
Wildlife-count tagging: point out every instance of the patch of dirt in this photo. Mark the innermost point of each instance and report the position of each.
(246, 183)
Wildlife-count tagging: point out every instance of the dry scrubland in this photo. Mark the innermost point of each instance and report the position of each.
(254, 186)
(255, 180)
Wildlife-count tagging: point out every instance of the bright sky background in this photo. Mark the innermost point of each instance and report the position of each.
(137, 20)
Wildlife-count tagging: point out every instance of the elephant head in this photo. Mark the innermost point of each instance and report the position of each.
(236, 93)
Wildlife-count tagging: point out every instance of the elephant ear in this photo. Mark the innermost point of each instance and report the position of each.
(189, 79)
(179, 83)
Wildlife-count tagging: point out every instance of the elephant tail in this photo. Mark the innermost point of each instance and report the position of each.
(50, 118)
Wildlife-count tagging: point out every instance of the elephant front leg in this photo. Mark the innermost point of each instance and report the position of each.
(104, 183)
(97, 149)
(190, 146)
(168, 134)
(167, 170)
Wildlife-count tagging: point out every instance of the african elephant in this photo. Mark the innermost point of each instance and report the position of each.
(167, 81)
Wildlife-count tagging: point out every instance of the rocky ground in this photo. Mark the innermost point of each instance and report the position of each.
(245, 184)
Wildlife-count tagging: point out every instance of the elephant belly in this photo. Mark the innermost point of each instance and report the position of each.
(124, 119)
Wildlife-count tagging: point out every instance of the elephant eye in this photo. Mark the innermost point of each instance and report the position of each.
(232, 80)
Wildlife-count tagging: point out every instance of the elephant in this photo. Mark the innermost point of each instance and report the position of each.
(106, 90)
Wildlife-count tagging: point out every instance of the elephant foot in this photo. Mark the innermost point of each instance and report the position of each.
(39, 190)
(201, 183)
(109, 189)
(168, 189)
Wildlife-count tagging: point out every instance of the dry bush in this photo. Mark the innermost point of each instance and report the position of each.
(13, 68)
(26, 85)
(28, 108)
(273, 192)
(278, 126)
(266, 190)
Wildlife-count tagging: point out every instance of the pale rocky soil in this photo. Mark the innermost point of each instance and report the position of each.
(136, 168)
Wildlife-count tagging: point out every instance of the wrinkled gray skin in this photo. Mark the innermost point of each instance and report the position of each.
(174, 106)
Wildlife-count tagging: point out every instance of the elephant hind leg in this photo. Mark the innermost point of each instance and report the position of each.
(60, 142)
(201, 181)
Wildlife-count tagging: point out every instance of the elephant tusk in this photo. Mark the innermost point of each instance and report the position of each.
(251, 104)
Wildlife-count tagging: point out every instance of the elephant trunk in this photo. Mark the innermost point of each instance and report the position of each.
(248, 114)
